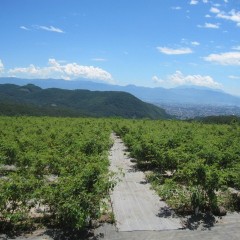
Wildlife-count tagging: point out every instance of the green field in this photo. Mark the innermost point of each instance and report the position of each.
(60, 165)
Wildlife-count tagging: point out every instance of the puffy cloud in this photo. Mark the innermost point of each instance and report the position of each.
(233, 16)
(195, 43)
(67, 71)
(178, 79)
(1, 66)
(32, 70)
(157, 80)
(193, 2)
(214, 10)
(51, 29)
(228, 58)
(198, 80)
(171, 51)
(209, 25)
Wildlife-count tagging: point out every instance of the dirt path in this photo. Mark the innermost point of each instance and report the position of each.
(135, 205)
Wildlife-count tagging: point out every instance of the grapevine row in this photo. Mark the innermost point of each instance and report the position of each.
(192, 165)
(56, 165)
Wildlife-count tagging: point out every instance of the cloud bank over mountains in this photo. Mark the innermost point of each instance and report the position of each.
(179, 79)
(55, 69)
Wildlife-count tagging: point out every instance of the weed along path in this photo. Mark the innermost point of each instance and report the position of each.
(135, 205)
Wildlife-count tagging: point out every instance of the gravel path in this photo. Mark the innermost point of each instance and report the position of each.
(135, 205)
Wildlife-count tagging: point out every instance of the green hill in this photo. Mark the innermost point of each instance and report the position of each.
(32, 100)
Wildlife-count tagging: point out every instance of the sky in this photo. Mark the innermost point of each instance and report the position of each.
(153, 43)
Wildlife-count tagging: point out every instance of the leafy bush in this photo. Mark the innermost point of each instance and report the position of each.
(201, 157)
(60, 164)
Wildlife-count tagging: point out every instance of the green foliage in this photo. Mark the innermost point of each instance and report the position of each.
(30, 100)
(60, 165)
(219, 120)
(57, 164)
(201, 159)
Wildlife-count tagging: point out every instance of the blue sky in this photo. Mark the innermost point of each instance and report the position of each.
(154, 43)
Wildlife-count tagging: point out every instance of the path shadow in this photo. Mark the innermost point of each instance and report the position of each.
(166, 212)
(144, 182)
(10, 231)
(202, 221)
(69, 234)
(133, 168)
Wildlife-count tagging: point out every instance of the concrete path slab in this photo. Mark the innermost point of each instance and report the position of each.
(227, 228)
(136, 206)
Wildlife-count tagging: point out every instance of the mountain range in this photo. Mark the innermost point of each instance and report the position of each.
(181, 95)
(33, 100)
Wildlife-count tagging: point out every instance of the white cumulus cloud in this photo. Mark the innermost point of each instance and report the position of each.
(214, 10)
(176, 51)
(69, 71)
(179, 78)
(227, 58)
(195, 43)
(233, 16)
(157, 80)
(193, 2)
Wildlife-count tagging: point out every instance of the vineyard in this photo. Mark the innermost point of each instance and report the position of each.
(193, 166)
(59, 166)
(56, 165)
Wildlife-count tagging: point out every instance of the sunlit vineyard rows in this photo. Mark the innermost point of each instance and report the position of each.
(191, 165)
(55, 170)
(59, 165)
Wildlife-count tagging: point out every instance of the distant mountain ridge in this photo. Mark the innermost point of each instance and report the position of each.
(189, 95)
(33, 100)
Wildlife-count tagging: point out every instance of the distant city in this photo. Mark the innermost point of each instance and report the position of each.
(188, 111)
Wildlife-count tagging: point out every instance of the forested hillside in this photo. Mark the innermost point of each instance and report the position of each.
(32, 100)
